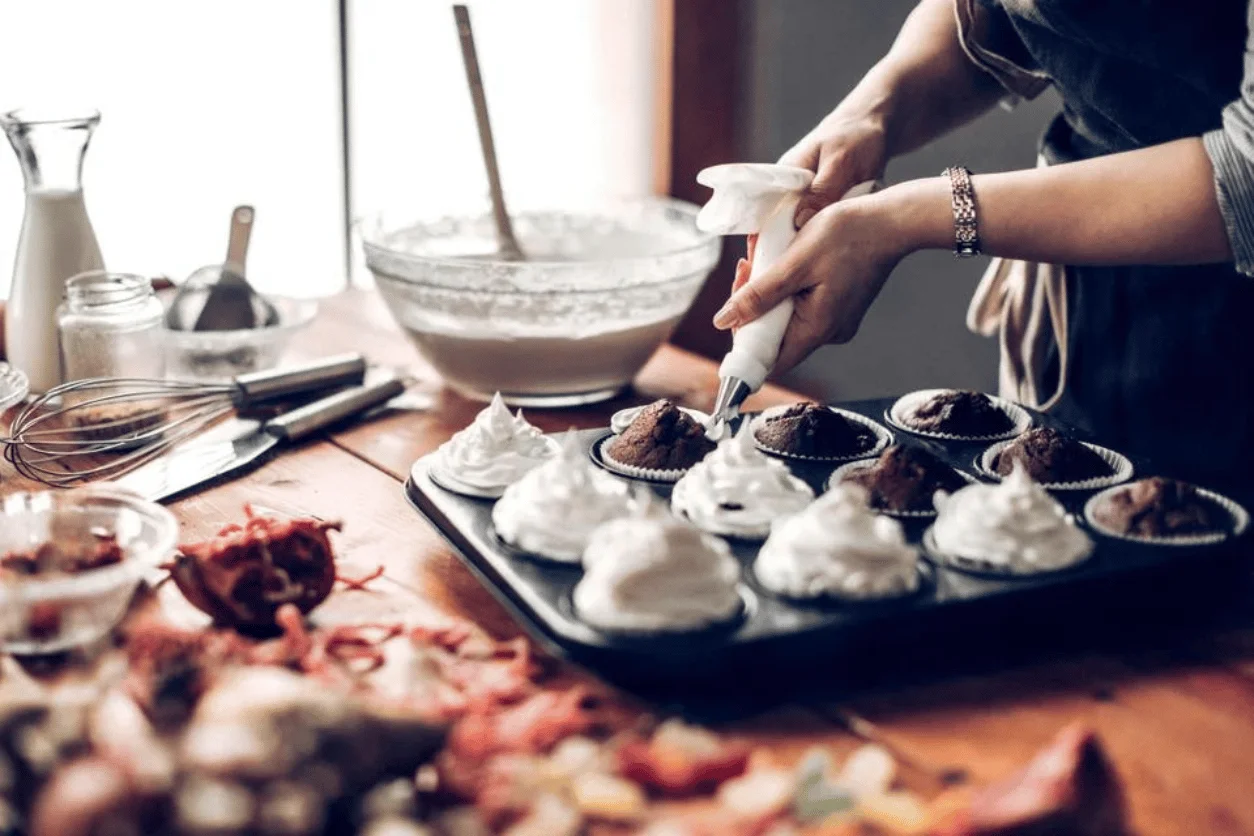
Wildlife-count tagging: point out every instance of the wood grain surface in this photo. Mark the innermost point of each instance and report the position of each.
(1178, 719)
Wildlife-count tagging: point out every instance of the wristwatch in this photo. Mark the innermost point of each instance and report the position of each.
(962, 199)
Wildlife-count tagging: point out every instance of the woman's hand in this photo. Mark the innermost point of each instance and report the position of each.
(835, 268)
(842, 151)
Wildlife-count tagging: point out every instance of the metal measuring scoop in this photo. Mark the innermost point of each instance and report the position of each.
(231, 303)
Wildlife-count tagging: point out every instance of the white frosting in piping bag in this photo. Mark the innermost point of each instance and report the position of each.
(738, 490)
(496, 449)
(1014, 526)
(655, 572)
(553, 509)
(757, 198)
(838, 546)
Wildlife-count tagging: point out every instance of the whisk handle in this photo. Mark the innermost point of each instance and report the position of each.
(328, 373)
(295, 425)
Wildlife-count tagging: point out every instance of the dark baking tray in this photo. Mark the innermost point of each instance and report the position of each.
(957, 621)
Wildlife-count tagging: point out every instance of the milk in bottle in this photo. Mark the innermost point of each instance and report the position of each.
(56, 241)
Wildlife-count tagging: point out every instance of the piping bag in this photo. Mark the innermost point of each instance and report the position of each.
(754, 198)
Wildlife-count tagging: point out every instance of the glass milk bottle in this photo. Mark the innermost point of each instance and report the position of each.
(57, 240)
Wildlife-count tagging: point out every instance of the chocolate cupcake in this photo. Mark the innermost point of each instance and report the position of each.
(1158, 508)
(960, 412)
(661, 442)
(813, 431)
(903, 480)
(1049, 457)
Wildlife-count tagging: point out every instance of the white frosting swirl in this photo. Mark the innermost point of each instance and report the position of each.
(553, 509)
(654, 572)
(1013, 526)
(840, 547)
(737, 490)
(496, 449)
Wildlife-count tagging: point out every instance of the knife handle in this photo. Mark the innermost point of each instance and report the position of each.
(295, 425)
(328, 373)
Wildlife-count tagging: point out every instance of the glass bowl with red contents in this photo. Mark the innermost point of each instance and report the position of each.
(70, 562)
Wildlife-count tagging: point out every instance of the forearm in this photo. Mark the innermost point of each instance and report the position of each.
(1155, 205)
(925, 86)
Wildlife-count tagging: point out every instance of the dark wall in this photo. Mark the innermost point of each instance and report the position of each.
(804, 55)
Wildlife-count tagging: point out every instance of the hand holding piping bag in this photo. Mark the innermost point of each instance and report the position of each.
(778, 308)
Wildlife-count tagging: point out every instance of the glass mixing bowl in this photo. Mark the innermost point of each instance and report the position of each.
(600, 290)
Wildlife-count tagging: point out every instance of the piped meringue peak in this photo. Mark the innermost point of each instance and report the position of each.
(653, 572)
(496, 450)
(554, 508)
(1014, 526)
(737, 490)
(838, 547)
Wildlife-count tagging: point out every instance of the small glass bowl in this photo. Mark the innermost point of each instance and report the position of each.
(52, 614)
(215, 356)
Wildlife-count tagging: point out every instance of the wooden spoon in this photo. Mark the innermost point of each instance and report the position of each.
(507, 244)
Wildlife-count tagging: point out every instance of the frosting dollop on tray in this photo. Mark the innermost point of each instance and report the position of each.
(653, 572)
(737, 490)
(495, 451)
(554, 508)
(838, 547)
(1014, 527)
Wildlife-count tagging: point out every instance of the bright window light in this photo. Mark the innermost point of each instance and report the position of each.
(570, 88)
(205, 105)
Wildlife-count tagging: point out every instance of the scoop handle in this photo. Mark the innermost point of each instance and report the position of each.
(755, 347)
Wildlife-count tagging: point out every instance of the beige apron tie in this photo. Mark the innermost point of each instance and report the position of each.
(1024, 304)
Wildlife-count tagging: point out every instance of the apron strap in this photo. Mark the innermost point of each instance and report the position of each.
(1024, 304)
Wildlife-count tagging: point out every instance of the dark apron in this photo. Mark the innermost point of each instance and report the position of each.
(1161, 359)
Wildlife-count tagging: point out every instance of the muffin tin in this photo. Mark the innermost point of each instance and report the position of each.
(954, 610)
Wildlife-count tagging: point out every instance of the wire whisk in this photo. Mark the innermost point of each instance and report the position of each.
(100, 428)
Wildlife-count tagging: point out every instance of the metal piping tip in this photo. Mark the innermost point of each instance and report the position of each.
(732, 392)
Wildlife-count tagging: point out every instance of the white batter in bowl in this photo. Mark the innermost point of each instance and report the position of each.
(601, 289)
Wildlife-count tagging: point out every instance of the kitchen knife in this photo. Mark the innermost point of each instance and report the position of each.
(244, 443)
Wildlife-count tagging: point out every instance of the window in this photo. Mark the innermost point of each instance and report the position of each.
(210, 104)
(569, 85)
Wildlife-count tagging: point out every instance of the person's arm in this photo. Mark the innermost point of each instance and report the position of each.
(925, 86)
(1156, 205)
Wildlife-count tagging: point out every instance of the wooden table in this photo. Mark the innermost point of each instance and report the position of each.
(1178, 721)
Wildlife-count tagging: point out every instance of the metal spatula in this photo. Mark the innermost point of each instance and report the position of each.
(232, 304)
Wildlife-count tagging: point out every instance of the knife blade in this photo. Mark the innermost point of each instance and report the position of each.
(244, 443)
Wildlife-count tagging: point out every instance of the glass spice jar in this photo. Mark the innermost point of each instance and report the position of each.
(110, 326)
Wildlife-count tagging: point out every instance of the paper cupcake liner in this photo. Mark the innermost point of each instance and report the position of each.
(621, 419)
(716, 630)
(906, 404)
(882, 437)
(449, 482)
(1239, 516)
(839, 473)
(925, 581)
(986, 569)
(603, 459)
(1120, 466)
